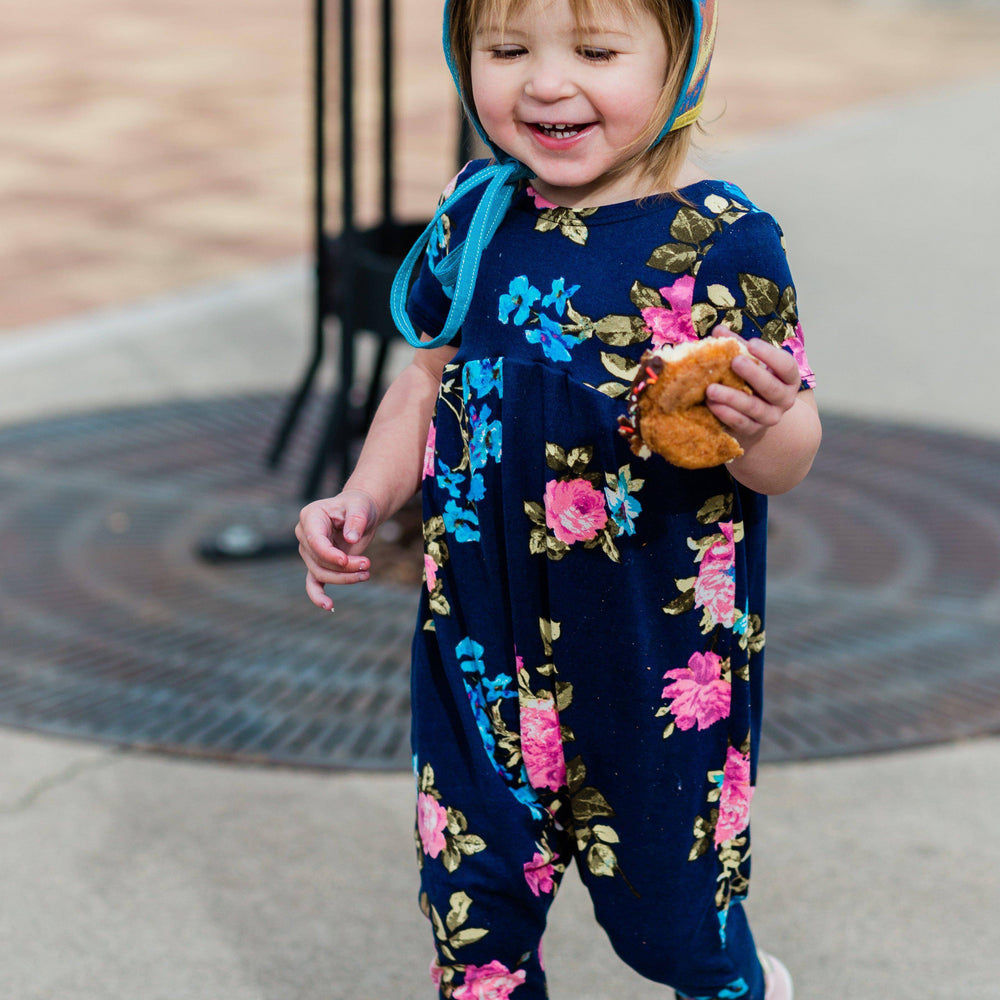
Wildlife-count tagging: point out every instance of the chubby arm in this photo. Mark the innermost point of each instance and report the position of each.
(333, 533)
(778, 426)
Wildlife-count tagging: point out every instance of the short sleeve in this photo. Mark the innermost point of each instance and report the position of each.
(744, 282)
(428, 302)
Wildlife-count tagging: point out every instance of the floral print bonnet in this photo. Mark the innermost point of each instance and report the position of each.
(459, 269)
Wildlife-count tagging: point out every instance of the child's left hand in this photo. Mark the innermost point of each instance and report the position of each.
(775, 380)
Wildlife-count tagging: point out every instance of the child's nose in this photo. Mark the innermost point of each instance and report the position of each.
(549, 81)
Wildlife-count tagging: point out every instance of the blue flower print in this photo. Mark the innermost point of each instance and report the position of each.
(559, 294)
(624, 509)
(555, 344)
(486, 438)
(463, 524)
(437, 248)
(520, 297)
(450, 481)
(482, 377)
(499, 687)
(483, 692)
(622, 503)
(736, 989)
(742, 624)
(477, 487)
(470, 656)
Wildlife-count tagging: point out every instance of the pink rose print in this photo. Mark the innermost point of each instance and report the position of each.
(699, 694)
(540, 202)
(673, 326)
(437, 973)
(715, 588)
(451, 185)
(489, 982)
(538, 874)
(432, 818)
(429, 451)
(734, 803)
(798, 349)
(430, 572)
(574, 510)
(541, 744)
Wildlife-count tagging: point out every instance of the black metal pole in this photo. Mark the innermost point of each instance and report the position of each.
(337, 433)
(388, 146)
(321, 245)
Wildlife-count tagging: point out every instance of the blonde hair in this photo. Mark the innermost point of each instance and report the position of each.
(660, 163)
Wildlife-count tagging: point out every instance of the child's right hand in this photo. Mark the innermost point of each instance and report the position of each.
(332, 535)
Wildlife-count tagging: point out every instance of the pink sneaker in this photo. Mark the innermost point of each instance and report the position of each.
(777, 979)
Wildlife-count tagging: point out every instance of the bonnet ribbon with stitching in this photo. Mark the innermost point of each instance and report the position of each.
(460, 266)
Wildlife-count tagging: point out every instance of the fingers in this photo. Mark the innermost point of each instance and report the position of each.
(780, 362)
(743, 413)
(347, 569)
(771, 373)
(316, 593)
(328, 531)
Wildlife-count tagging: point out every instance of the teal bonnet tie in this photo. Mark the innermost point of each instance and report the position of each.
(459, 268)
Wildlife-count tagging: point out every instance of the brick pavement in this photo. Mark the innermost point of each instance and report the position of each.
(146, 148)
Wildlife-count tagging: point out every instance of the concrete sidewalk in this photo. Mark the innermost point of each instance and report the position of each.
(133, 876)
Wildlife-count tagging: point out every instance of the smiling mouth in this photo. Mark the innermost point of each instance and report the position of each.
(560, 131)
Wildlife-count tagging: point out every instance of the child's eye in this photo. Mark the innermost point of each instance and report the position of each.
(596, 54)
(506, 51)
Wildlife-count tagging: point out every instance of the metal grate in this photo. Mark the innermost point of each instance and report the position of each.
(884, 604)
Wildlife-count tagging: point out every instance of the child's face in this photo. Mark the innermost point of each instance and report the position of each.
(601, 81)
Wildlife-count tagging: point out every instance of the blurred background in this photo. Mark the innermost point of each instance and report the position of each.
(158, 310)
(155, 147)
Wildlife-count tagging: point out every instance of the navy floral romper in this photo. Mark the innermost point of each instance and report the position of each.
(588, 656)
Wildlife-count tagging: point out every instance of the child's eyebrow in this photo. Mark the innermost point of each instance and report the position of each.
(601, 29)
(581, 31)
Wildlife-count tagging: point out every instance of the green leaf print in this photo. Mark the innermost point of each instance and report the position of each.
(555, 457)
(605, 834)
(683, 604)
(733, 318)
(775, 332)
(717, 508)
(568, 221)
(459, 912)
(704, 317)
(601, 860)
(621, 331)
(467, 936)
(675, 258)
(613, 389)
(588, 803)
(456, 822)
(762, 294)
(691, 226)
(644, 297)
(622, 367)
(608, 547)
(554, 548)
(535, 512)
(788, 308)
(721, 296)
(580, 458)
(469, 843)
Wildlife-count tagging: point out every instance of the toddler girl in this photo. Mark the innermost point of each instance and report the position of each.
(588, 656)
